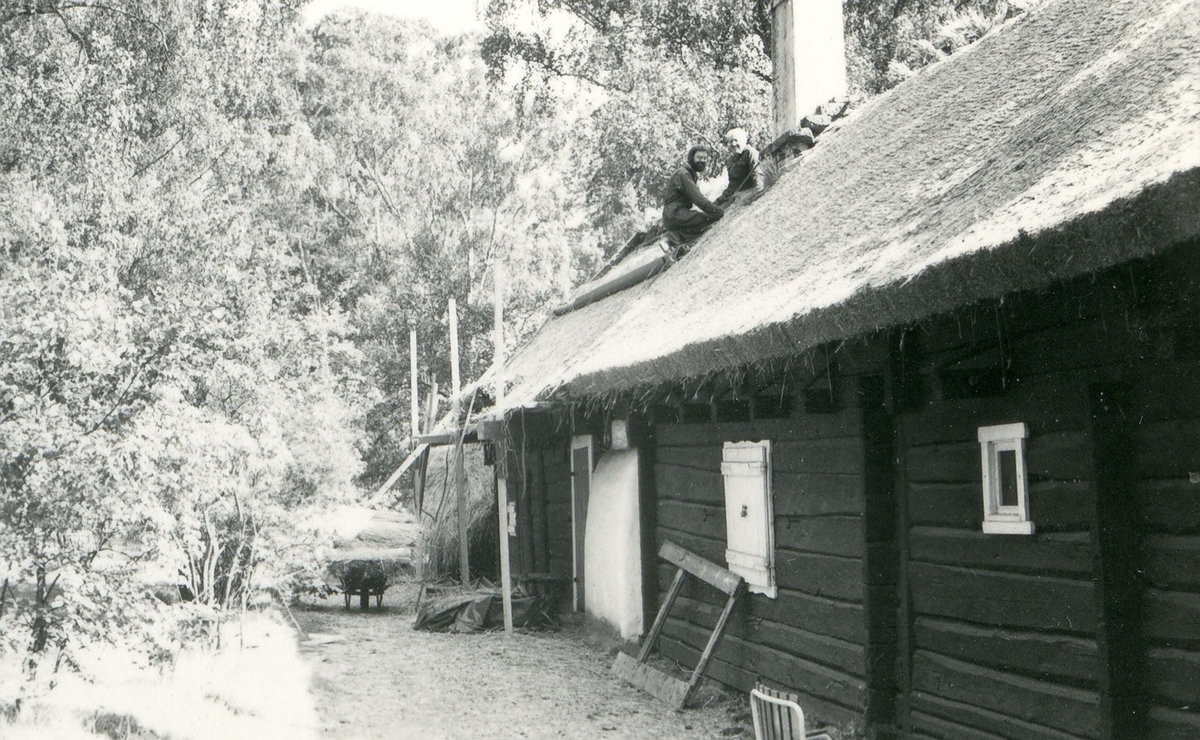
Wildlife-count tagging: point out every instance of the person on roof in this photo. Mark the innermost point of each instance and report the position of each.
(682, 193)
(741, 167)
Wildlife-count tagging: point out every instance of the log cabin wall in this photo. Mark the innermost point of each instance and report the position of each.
(1165, 431)
(1039, 636)
(894, 608)
(1001, 628)
(539, 483)
(813, 637)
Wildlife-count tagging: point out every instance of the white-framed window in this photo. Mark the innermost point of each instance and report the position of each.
(749, 517)
(1005, 481)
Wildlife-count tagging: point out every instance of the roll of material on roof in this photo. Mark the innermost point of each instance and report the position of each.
(616, 283)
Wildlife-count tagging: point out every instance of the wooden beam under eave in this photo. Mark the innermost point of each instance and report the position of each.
(449, 437)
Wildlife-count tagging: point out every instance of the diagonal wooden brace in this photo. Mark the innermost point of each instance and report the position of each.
(672, 690)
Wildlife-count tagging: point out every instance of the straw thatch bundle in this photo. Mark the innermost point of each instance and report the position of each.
(439, 515)
(380, 546)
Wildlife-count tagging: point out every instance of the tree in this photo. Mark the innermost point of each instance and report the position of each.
(654, 78)
(889, 40)
(433, 179)
(173, 388)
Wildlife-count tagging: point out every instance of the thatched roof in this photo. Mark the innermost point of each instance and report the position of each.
(1062, 143)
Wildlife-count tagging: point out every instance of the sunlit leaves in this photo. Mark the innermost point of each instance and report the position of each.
(643, 80)
(171, 384)
(432, 177)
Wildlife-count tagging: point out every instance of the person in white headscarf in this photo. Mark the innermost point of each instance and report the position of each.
(741, 167)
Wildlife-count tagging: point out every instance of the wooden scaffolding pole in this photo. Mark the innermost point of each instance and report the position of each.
(414, 408)
(455, 386)
(502, 507)
(498, 328)
(460, 486)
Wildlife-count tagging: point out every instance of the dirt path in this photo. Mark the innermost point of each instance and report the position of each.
(384, 680)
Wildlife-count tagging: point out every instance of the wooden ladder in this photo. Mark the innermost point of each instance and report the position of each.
(654, 682)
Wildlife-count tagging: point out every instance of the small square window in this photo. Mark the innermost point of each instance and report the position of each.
(1005, 481)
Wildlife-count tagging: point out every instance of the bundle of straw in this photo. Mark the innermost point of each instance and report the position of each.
(439, 516)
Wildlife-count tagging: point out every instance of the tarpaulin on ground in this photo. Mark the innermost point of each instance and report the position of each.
(481, 610)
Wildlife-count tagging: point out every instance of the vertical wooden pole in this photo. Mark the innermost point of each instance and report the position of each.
(502, 508)
(432, 408)
(897, 395)
(498, 328)
(1117, 544)
(415, 420)
(464, 561)
(460, 491)
(455, 386)
(881, 606)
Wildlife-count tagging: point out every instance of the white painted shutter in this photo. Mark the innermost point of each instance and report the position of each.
(749, 531)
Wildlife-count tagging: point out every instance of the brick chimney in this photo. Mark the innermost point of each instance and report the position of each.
(809, 56)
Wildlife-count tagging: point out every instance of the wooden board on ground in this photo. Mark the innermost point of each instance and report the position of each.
(654, 682)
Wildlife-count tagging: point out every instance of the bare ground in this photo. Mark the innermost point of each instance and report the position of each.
(375, 677)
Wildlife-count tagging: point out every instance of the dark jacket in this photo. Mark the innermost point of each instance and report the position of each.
(742, 169)
(681, 194)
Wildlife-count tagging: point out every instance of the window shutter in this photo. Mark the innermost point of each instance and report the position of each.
(749, 528)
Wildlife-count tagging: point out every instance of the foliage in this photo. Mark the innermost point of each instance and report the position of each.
(214, 247)
(604, 36)
(642, 81)
(172, 388)
(889, 40)
(432, 180)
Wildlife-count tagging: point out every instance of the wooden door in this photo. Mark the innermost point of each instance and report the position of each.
(581, 482)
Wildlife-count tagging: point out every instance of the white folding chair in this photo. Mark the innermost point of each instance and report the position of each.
(777, 717)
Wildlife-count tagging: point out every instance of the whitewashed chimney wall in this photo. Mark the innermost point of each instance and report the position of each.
(809, 57)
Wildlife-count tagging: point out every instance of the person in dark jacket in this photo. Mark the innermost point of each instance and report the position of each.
(741, 167)
(682, 193)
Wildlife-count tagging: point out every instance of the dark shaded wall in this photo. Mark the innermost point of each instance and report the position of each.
(540, 483)
(812, 638)
(896, 615)
(1164, 424)
(1088, 628)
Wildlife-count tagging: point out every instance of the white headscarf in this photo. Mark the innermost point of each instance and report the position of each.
(739, 135)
